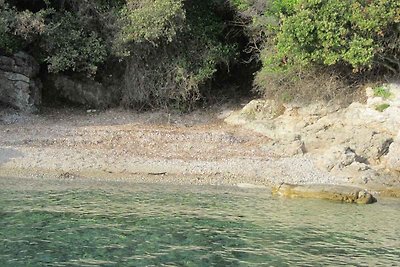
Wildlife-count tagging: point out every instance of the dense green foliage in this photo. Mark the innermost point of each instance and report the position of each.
(301, 38)
(358, 33)
(178, 55)
(168, 50)
(152, 20)
(70, 39)
(19, 29)
(68, 46)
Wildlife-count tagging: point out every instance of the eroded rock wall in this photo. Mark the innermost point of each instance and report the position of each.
(360, 142)
(84, 91)
(19, 84)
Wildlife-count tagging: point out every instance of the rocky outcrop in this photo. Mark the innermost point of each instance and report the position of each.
(392, 159)
(346, 194)
(19, 85)
(84, 91)
(357, 143)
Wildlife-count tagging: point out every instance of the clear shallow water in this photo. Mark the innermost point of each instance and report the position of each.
(121, 224)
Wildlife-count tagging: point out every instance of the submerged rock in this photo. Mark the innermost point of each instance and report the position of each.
(346, 194)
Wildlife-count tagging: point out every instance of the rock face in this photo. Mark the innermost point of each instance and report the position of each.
(84, 91)
(19, 85)
(392, 159)
(346, 194)
(357, 143)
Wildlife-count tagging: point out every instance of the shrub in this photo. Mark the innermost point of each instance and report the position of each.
(149, 20)
(382, 107)
(69, 46)
(172, 62)
(8, 42)
(171, 48)
(19, 29)
(361, 34)
(382, 91)
(329, 36)
(339, 32)
(68, 40)
(305, 86)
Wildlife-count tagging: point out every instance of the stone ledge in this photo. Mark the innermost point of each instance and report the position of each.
(341, 193)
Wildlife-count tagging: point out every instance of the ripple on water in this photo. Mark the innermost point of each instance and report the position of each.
(74, 223)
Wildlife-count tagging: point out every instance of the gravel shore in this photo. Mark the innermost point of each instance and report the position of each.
(153, 147)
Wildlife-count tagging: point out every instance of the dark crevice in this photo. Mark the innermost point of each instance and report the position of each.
(234, 81)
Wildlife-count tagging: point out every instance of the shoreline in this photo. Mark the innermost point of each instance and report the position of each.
(220, 180)
(155, 147)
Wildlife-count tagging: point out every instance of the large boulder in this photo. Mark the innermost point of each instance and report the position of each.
(19, 85)
(84, 91)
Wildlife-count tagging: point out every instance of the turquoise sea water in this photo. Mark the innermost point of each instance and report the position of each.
(78, 223)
